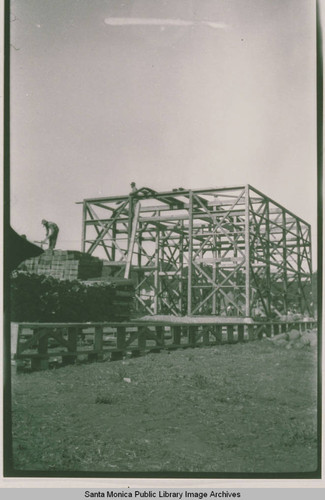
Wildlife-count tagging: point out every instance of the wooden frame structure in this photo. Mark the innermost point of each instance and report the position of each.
(228, 251)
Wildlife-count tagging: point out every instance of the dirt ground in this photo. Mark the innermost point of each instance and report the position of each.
(244, 408)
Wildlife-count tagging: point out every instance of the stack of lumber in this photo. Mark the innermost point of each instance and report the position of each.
(47, 299)
(64, 265)
(112, 268)
(123, 298)
(67, 285)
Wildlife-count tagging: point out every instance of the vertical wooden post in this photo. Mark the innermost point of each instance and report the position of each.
(268, 330)
(113, 252)
(176, 335)
(120, 338)
(260, 330)
(284, 258)
(19, 363)
(247, 253)
(72, 339)
(218, 330)
(241, 333)
(251, 332)
(190, 254)
(41, 362)
(268, 263)
(230, 334)
(72, 343)
(139, 238)
(130, 218)
(160, 339)
(131, 240)
(120, 344)
(214, 279)
(156, 271)
(206, 335)
(299, 260)
(181, 267)
(84, 227)
(42, 349)
(142, 338)
(19, 333)
(310, 304)
(192, 335)
(246, 333)
(160, 333)
(98, 341)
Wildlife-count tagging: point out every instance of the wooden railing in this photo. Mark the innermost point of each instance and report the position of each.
(42, 345)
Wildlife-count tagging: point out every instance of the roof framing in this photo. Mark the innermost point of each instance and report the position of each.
(220, 251)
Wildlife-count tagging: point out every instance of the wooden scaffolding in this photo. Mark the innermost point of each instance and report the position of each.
(221, 251)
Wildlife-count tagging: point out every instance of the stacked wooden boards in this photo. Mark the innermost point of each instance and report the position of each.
(64, 265)
(69, 286)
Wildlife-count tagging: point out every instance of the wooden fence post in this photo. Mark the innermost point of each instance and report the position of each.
(19, 333)
(120, 338)
(176, 335)
(230, 334)
(98, 343)
(251, 332)
(120, 344)
(41, 362)
(241, 333)
(206, 335)
(71, 357)
(142, 339)
(192, 335)
(218, 330)
(160, 334)
(141, 342)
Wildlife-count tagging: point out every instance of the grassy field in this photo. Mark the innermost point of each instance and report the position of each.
(244, 408)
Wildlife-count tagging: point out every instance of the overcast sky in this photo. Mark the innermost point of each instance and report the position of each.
(166, 93)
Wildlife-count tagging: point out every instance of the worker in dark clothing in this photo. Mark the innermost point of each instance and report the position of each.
(52, 232)
(143, 192)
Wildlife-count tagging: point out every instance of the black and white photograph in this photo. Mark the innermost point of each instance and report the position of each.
(162, 302)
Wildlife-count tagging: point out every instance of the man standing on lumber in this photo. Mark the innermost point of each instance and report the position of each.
(52, 232)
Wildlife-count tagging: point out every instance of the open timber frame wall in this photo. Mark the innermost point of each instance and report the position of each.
(225, 251)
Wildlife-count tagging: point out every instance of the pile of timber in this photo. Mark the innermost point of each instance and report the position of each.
(123, 296)
(64, 265)
(67, 285)
(40, 298)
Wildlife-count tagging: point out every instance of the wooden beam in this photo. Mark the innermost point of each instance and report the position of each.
(132, 240)
(247, 253)
(190, 255)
